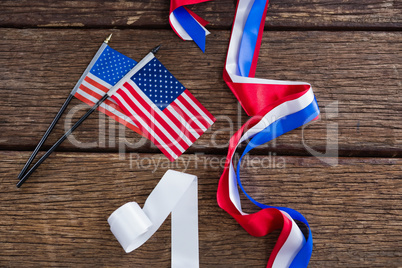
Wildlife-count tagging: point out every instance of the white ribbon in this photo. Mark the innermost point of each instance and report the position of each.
(175, 193)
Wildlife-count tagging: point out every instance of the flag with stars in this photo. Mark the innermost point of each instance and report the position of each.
(109, 68)
(163, 109)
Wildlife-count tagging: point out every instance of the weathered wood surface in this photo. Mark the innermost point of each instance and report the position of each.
(58, 218)
(141, 13)
(357, 72)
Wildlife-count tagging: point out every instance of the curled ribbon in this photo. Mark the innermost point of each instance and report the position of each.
(186, 24)
(175, 193)
(276, 107)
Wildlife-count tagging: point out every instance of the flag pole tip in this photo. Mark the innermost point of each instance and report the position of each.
(108, 38)
(155, 49)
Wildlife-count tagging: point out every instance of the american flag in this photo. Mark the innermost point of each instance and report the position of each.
(109, 68)
(163, 109)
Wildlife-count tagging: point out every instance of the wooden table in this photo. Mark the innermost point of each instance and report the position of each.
(348, 50)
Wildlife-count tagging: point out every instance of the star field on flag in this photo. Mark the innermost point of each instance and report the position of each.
(112, 66)
(109, 68)
(158, 84)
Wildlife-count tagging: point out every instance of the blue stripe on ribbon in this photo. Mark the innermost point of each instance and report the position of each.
(191, 26)
(250, 36)
(271, 132)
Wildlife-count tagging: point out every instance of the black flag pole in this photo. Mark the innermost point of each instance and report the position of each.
(90, 111)
(62, 109)
(45, 136)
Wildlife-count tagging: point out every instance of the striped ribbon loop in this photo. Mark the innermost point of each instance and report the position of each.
(276, 107)
(186, 24)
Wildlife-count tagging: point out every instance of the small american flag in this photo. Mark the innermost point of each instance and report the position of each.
(163, 109)
(109, 68)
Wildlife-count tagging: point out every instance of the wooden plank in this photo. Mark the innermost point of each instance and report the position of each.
(359, 72)
(114, 13)
(58, 218)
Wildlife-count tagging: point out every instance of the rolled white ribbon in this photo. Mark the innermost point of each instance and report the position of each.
(175, 193)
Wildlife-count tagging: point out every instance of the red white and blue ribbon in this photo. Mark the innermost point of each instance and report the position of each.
(186, 24)
(276, 107)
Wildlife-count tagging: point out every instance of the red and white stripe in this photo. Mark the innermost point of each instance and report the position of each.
(174, 129)
(92, 89)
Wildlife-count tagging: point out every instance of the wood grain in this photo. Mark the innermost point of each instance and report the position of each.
(141, 13)
(58, 218)
(358, 73)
